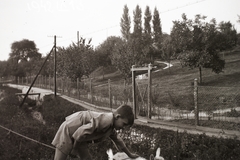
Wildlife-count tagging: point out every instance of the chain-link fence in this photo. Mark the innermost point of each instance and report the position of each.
(212, 104)
(219, 103)
(167, 103)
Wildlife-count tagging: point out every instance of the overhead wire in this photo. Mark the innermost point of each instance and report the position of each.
(117, 25)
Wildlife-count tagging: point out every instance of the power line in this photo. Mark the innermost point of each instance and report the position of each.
(169, 10)
(189, 4)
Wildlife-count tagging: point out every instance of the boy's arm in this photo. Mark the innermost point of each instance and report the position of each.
(130, 154)
(121, 145)
(80, 134)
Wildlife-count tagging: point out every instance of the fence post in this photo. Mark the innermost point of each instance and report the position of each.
(196, 102)
(49, 81)
(109, 93)
(134, 92)
(91, 92)
(149, 91)
(62, 87)
(78, 90)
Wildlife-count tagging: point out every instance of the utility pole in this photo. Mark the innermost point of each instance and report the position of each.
(78, 38)
(55, 66)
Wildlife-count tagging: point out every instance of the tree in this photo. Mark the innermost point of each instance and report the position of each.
(181, 34)
(238, 21)
(124, 56)
(137, 18)
(22, 52)
(195, 41)
(227, 36)
(147, 35)
(105, 50)
(157, 32)
(167, 49)
(125, 24)
(4, 69)
(76, 60)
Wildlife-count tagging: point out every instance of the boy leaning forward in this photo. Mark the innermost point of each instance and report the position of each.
(85, 127)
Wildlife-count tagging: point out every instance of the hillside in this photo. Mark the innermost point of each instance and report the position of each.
(177, 75)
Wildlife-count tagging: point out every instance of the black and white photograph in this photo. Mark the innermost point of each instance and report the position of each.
(119, 79)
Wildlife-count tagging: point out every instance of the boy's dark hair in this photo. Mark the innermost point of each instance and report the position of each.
(126, 112)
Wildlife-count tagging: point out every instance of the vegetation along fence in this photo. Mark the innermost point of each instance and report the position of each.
(174, 103)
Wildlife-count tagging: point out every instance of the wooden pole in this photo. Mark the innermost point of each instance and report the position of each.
(110, 94)
(91, 92)
(196, 102)
(149, 91)
(35, 79)
(78, 38)
(133, 91)
(55, 67)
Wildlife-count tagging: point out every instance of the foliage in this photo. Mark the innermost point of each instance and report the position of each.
(147, 49)
(23, 56)
(124, 56)
(137, 19)
(4, 69)
(167, 49)
(76, 60)
(105, 50)
(125, 24)
(157, 33)
(197, 42)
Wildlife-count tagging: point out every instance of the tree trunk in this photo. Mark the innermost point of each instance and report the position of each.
(200, 75)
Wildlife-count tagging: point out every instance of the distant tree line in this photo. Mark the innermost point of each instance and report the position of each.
(195, 42)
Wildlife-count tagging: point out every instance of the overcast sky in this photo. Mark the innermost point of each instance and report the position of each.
(39, 20)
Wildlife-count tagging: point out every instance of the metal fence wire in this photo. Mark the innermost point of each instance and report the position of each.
(215, 104)
(219, 103)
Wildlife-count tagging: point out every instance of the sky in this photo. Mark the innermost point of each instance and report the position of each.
(40, 20)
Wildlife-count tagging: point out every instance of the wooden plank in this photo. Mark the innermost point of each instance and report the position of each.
(140, 69)
(21, 94)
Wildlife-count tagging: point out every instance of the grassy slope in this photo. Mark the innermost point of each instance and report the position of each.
(177, 75)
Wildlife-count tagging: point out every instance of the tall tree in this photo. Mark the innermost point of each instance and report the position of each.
(137, 38)
(147, 35)
(125, 23)
(137, 18)
(157, 32)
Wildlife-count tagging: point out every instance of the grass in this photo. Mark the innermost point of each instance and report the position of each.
(173, 87)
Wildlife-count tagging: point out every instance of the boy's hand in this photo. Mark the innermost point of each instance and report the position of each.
(133, 155)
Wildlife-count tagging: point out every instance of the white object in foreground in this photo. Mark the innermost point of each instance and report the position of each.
(123, 156)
